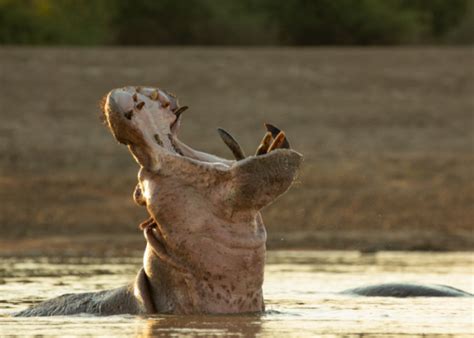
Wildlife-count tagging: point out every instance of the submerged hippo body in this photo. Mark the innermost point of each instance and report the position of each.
(205, 236)
(402, 290)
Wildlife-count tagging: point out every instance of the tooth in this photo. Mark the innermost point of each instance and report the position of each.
(140, 105)
(275, 131)
(154, 95)
(178, 113)
(165, 102)
(265, 144)
(278, 142)
(180, 110)
(272, 129)
(232, 144)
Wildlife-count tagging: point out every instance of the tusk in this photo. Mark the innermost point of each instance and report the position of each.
(275, 131)
(265, 144)
(178, 113)
(232, 144)
(278, 142)
(180, 110)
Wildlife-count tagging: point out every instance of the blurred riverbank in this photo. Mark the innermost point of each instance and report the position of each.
(386, 134)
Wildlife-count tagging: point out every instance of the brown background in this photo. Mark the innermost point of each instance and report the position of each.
(387, 135)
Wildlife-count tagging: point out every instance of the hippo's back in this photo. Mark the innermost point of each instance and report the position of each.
(407, 290)
(108, 302)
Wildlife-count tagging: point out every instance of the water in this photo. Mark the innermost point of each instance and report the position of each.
(300, 290)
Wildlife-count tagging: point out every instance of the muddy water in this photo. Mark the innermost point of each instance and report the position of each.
(300, 290)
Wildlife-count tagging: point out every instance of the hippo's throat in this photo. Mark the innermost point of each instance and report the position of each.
(186, 282)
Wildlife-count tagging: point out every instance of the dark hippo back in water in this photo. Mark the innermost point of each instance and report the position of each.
(406, 290)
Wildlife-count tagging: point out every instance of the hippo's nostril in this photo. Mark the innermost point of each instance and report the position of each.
(129, 114)
(135, 98)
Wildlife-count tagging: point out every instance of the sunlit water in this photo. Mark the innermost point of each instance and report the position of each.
(300, 290)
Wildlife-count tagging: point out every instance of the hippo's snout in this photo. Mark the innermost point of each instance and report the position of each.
(119, 102)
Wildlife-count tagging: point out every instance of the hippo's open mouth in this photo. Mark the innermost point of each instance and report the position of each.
(143, 117)
(148, 119)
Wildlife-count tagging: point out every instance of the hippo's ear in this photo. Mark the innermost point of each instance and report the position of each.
(259, 180)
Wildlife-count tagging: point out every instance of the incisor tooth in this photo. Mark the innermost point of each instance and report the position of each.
(265, 144)
(154, 95)
(278, 142)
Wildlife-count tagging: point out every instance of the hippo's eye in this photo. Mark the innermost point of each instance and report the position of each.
(129, 114)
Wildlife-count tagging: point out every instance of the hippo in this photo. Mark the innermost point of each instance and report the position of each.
(205, 237)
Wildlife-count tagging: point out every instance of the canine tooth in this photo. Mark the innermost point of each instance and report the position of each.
(140, 105)
(232, 144)
(180, 110)
(278, 141)
(265, 144)
(178, 113)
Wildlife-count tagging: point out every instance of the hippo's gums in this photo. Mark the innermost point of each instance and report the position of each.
(205, 250)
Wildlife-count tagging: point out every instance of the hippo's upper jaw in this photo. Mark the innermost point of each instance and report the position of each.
(205, 238)
(145, 119)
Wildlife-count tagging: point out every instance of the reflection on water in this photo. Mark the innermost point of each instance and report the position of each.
(300, 290)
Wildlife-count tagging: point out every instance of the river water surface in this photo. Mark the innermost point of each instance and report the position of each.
(300, 290)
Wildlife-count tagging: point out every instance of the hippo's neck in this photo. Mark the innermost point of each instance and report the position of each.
(205, 275)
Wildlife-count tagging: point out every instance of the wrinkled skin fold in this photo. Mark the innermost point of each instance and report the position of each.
(205, 251)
